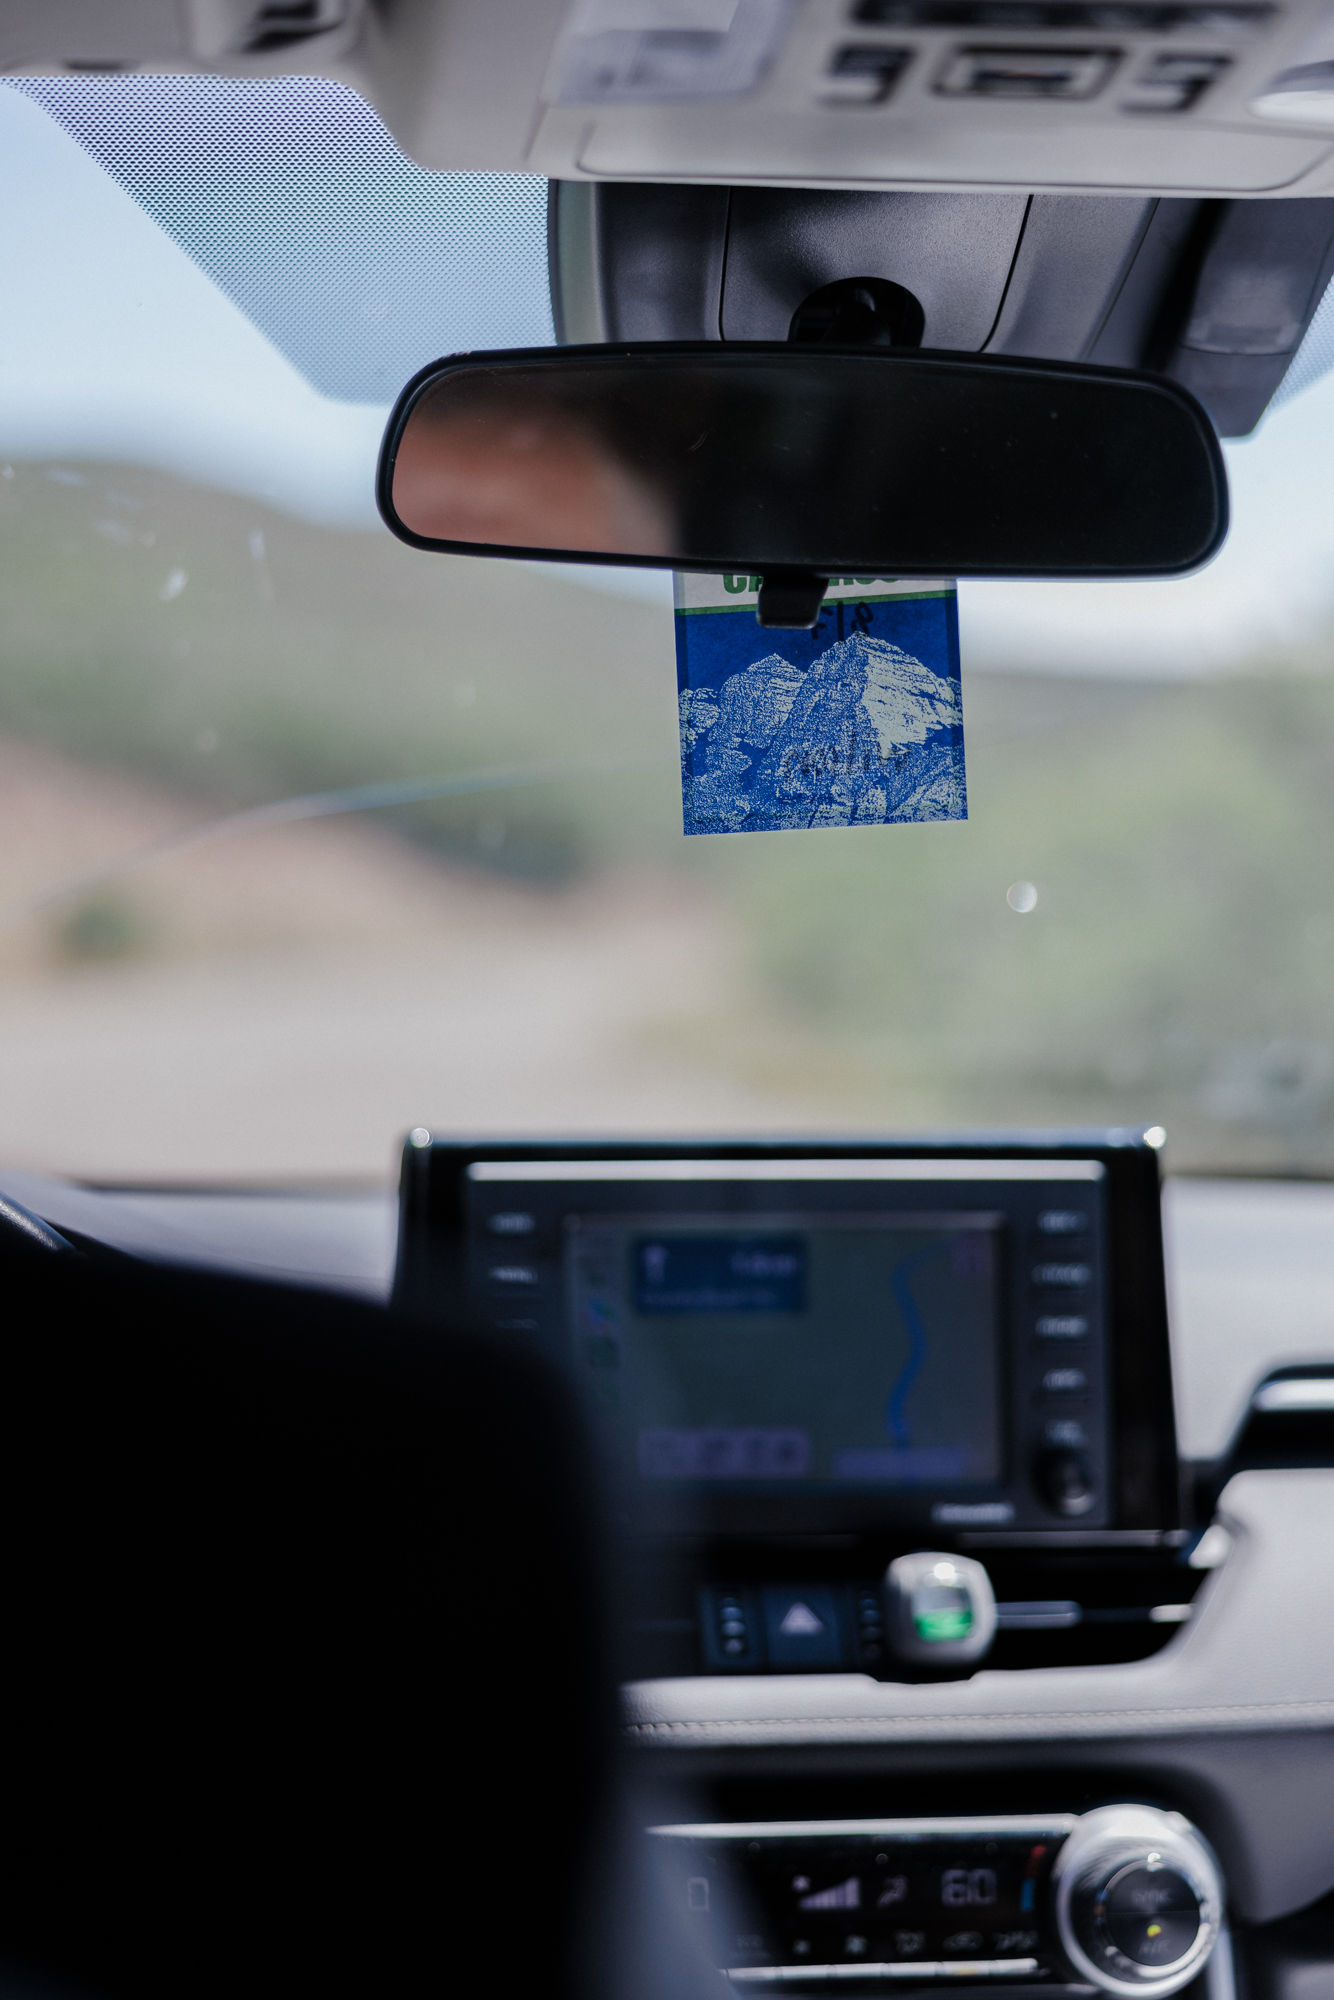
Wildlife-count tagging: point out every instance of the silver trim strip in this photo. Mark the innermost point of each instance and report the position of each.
(786, 1170)
(1299, 1393)
(1220, 1979)
(1024, 1826)
(927, 1968)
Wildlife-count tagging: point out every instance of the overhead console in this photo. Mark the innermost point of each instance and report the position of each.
(1196, 95)
(848, 1396)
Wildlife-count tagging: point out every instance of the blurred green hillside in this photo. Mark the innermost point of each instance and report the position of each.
(201, 641)
(1178, 964)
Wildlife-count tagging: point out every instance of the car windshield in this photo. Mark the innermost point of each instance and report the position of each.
(309, 838)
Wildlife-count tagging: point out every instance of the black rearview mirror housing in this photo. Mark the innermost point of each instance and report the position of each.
(799, 462)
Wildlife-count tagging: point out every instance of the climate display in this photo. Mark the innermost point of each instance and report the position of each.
(857, 1351)
(870, 1898)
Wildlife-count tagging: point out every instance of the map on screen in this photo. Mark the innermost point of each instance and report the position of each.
(857, 1350)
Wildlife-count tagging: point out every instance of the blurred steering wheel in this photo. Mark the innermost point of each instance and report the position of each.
(23, 1234)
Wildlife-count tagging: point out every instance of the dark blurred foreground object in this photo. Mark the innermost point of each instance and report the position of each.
(767, 457)
(301, 1634)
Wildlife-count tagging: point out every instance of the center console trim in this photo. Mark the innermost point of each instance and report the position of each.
(945, 1968)
(982, 1826)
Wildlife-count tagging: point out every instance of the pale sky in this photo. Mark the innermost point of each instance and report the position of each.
(115, 346)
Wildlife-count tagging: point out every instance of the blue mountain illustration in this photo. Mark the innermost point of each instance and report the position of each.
(865, 734)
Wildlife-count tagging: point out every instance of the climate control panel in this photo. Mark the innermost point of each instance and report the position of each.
(1127, 1899)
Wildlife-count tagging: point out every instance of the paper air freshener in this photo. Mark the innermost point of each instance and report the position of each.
(858, 723)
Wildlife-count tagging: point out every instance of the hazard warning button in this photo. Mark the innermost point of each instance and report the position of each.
(802, 1627)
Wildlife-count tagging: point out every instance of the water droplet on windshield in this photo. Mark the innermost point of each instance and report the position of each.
(173, 587)
(1022, 896)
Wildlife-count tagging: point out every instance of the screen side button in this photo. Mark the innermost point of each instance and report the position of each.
(1065, 1431)
(1062, 1222)
(1064, 1381)
(1062, 1326)
(1072, 1277)
(511, 1222)
(511, 1277)
(1065, 1481)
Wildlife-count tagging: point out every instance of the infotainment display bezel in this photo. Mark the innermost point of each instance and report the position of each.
(1143, 1498)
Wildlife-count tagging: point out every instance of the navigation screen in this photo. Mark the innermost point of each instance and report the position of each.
(849, 1351)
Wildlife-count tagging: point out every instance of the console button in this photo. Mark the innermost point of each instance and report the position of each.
(1022, 71)
(1138, 1900)
(864, 74)
(1013, 1944)
(1151, 1914)
(801, 1627)
(728, 1629)
(1062, 1326)
(1065, 1481)
(1174, 82)
(870, 1616)
(962, 1941)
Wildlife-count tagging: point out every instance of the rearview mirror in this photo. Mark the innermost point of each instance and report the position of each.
(770, 458)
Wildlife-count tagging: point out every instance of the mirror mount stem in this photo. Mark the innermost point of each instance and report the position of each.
(790, 599)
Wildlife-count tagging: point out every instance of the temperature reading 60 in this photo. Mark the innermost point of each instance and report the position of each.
(967, 1888)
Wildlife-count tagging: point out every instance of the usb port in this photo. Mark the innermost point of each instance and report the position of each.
(1058, 73)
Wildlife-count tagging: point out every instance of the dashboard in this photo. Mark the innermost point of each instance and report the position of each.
(941, 1662)
(1167, 1657)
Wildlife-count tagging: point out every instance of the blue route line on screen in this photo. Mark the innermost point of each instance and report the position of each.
(896, 1421)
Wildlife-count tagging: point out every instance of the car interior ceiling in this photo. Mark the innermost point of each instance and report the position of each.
(586, 1613)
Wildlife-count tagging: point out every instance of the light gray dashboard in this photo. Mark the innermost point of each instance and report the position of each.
(1235, 1716)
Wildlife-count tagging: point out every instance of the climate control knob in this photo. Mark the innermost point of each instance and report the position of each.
(1139, 1900)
